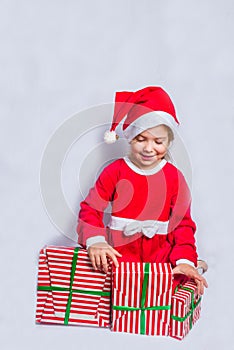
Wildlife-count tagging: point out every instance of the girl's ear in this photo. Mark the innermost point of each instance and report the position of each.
(171, 143)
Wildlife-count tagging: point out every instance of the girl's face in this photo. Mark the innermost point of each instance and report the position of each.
(149, 147)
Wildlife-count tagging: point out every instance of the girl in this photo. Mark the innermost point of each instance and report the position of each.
(150, 200)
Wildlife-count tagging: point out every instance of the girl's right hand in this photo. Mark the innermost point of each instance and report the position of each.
(98, 254)
(191, 272)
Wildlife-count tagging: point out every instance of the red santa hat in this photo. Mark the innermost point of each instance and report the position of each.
(143, 109)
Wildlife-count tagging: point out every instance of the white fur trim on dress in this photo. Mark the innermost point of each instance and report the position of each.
(145, 172)
(93, 240)
(185, 261)
(147, 121)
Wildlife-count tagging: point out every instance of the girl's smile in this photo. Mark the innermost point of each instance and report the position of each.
(145, 157)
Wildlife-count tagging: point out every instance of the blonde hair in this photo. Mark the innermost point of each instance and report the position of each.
(171, 137)
(169, 132)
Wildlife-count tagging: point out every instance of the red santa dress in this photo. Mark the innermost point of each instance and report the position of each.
(150, 213)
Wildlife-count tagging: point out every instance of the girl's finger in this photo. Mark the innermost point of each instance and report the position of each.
(200, 278)
(116, 252)
(98, 261)
(113, 258)
(104, 262)
(205, 282)
(93, 261)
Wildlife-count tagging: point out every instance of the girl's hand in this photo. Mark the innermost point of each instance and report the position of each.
(191, 272)
(99, 252)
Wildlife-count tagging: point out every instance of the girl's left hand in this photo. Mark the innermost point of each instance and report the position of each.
(192, 272)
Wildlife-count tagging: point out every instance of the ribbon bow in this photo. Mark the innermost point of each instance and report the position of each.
(147, 227)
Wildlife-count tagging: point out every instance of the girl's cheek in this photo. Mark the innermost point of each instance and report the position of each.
(163, 148)
(137, 147)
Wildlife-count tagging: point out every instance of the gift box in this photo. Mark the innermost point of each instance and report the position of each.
(141, 298)
(70, 291)
(185, 310)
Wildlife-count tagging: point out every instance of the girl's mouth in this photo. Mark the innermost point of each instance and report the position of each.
(147, 157)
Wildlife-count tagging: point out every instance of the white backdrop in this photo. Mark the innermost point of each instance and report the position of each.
(61, 57)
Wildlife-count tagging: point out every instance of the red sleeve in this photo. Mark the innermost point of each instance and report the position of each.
(90, 221)
(181, 226)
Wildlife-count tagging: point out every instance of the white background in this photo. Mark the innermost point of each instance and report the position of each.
(60, 57)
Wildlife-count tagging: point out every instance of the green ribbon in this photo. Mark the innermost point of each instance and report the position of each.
(70, 290)
(193, 305)
(142, 308)
(82, 291)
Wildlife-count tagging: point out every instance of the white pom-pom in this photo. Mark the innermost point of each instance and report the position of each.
(110, 136)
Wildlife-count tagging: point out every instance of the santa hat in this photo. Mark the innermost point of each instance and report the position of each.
(143, 109)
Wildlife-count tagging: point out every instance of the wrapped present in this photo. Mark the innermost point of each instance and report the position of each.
(185, 310)
(141, 298)
(70, 291)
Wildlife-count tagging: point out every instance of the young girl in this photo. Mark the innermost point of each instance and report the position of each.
(150, 200)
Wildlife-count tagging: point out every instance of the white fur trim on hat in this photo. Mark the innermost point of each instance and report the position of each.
(147, 121)
(110, 136)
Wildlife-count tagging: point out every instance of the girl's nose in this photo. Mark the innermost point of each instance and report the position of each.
(148, 147)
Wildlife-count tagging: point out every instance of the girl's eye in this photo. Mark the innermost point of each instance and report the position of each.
(140, 139)
(158, 142)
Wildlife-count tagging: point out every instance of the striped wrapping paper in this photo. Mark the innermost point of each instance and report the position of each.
(141, 298)
(70, 291)
(186, 308)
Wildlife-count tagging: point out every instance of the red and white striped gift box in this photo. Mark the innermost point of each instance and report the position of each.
(185, 310)
(141, 298)
(70, 291)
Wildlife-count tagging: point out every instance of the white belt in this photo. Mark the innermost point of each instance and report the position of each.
(130, 226)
